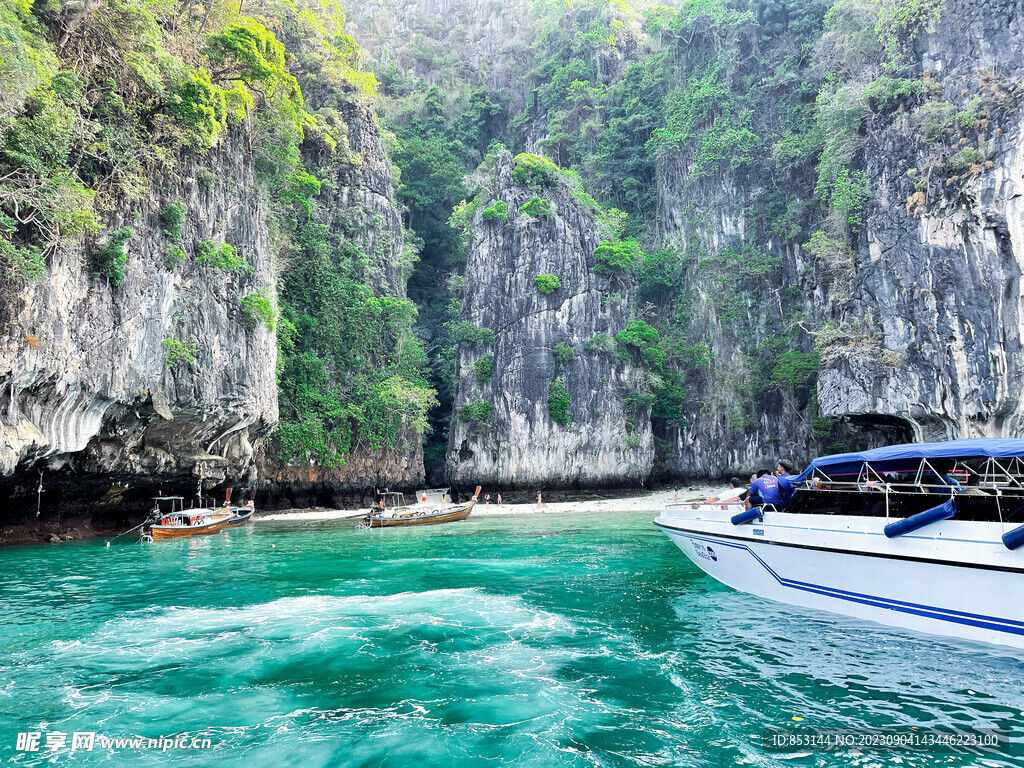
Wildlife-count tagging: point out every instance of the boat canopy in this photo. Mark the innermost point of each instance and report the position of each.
(907, 458)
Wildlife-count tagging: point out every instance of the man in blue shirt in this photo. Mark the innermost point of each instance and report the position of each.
(764, 490)
(784, 474)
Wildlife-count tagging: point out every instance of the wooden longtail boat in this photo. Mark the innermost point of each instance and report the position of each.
(179, 523)
(432, 517)
(192, 522)
(240, 515)
(402, 515)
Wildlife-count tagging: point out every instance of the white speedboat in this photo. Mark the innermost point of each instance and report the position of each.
(884, 535)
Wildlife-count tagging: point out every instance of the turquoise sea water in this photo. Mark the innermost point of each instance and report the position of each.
(538, 640)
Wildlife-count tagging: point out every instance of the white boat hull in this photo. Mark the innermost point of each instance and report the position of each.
(954, 578)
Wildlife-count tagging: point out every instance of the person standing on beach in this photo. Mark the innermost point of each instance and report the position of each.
(499, 499)
(539, 502)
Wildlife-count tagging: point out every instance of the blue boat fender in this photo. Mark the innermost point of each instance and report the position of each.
(1014, 539)
(921, 519)
(746, 516)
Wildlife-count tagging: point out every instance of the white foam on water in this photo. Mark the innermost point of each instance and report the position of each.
(497, 634)
(177, 629)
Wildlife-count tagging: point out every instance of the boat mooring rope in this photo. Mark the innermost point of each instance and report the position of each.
(145, 522)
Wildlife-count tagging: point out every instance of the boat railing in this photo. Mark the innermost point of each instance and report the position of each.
(1011, 491)
(694, 505)
(1002, 489)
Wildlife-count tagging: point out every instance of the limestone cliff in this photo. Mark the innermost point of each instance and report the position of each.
(161, 377)
(169, 212)
(412, 34)
(796, 323)
(503, 431)
(357, 207)
(940, 266)
(287, 486)
(360, 200)
(736, 420)
(902, 321)
(918, 326)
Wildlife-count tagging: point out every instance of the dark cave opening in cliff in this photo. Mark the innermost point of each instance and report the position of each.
(859, 432)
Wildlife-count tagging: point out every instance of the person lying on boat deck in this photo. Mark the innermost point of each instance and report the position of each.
(784, 473)
(764, 490)
(735, 493)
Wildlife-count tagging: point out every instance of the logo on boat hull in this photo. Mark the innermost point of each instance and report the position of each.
(703, 551)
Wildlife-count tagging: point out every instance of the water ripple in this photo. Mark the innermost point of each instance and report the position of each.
(545, 642)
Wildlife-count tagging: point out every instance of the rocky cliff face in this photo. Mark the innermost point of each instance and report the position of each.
(287, 486)
(919, 334)
(161, 377)
(503, 433)
(115, 384)
(476, 31)
(939, 269)
(361, 202)
(907, 326)
(357, 204)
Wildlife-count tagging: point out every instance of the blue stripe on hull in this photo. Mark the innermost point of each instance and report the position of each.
(930, 612)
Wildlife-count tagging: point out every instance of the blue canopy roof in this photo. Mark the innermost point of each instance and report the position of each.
(905, 458)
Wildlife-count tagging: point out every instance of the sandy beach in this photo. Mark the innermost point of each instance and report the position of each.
(650, 502)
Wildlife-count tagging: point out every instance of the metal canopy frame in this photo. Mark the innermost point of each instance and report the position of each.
(1002, 477)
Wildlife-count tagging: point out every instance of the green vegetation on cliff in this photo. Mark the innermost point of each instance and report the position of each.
(547, 283)
(558, 402)
(717, 142)
(729, 132)
(102, 102)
